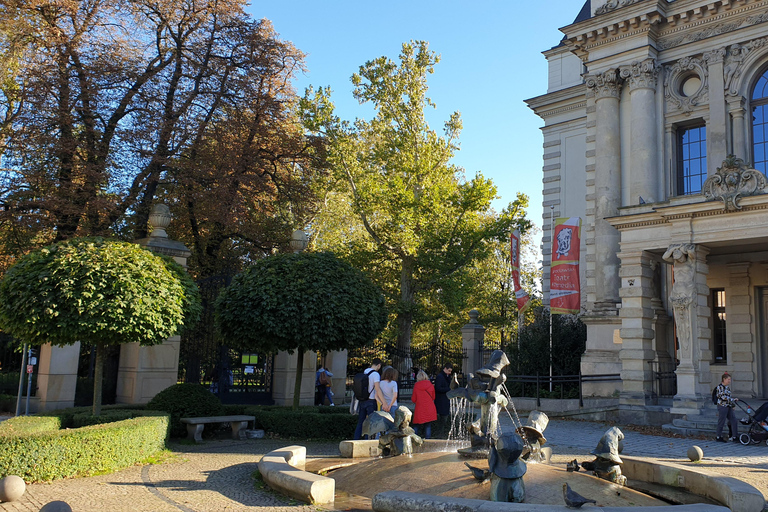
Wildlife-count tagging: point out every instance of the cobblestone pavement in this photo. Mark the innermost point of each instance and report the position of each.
(217, 475)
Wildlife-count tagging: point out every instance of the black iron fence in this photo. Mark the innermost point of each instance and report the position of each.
(235, 376)
(664, 378)
(428, 357)
(556, 386)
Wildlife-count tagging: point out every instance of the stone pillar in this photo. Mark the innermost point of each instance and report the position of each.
(57, 376)
(336, 362)
(689, 299)
(145, 371)
(740, 330)
(717, 137)
(472, 336)
(739, 134)
(644, 180)
(607, 188)
(637, 334)
(284, 378)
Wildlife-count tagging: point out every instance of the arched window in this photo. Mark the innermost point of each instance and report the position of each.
(760, 123)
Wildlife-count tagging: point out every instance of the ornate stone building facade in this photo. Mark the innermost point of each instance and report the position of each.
(652, 109)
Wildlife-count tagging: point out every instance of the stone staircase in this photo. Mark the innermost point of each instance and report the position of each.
(702, 424)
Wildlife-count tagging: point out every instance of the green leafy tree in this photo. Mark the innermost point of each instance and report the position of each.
(97, 292)
(302, 302)
(411, 219)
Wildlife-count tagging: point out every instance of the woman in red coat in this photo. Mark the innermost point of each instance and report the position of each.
(424, 398)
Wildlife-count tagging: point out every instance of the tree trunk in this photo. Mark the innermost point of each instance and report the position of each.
(98, 378)
(402, 360)
(297, 386)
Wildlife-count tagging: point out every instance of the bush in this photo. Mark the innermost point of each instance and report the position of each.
(306, 422)
(85, 419)
(8, 403)
(185, 401)
(33, 448)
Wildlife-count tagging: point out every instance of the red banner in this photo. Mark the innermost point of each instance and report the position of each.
(520, 295)
(564, 286)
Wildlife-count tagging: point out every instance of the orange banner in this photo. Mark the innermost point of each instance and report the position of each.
(564, 286)
(521, 296)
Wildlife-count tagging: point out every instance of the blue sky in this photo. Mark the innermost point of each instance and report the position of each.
(491, 62)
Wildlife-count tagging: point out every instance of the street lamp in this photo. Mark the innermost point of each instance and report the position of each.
(299, 241)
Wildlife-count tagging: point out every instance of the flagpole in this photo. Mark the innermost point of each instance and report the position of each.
(551, 252)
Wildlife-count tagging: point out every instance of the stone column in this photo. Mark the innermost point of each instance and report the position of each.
(689, 299)
(145, 371)
(472, 336)
(738, 131)
(637, 334)
(717, 138)
(284, 378)
(57, 376)
(644, 180)
(336, 362)
(740, 324)
(606, 86)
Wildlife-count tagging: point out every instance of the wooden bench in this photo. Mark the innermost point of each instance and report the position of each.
(195, 426)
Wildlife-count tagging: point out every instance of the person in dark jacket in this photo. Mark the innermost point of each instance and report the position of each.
(442, 387)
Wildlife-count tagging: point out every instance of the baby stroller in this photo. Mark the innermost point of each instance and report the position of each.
(758, 428)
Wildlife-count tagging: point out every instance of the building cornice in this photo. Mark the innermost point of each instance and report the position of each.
(559, 102)
(665, 24)
(664, 213)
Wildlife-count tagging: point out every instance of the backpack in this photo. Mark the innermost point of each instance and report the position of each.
(324, 380)
(714, 395)
(360, 386)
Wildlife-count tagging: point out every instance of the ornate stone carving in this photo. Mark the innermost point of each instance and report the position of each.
(683, 257)
(691, 37)
(674, 75)
(606, 84)
(612, 5)
(641, 74)
(732, 181)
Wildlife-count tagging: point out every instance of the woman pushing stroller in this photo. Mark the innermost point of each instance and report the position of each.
(725, 405)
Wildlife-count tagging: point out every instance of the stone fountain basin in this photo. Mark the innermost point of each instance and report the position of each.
(738, 496)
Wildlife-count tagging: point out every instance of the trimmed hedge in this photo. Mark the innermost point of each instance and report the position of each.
(33, 448)
(185, 401)
(306, 422)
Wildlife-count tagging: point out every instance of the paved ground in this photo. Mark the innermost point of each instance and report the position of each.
(217, 476)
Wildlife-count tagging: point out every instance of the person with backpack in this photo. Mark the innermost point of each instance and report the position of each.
(367, 391)
(725, 405)
(323, 386)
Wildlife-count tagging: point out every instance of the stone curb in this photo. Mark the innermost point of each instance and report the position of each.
(738, 495)
(279, 470)
(396, 501)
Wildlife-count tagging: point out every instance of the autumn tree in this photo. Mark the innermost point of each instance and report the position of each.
(414, 219)
(97, 292)
(115, 104)
(300, 302)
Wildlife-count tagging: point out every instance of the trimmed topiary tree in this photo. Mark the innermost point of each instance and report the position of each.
(302, 302)
(185, 401)
(98, 292)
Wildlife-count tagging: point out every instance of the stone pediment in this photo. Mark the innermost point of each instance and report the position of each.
(732, 181)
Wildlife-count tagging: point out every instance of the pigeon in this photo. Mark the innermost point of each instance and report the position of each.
(574, 499)
(480, 474)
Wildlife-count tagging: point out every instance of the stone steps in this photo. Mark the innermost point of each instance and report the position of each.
(704, 423)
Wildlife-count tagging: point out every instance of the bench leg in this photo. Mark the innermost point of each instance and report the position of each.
(194, 432)
(238, 429)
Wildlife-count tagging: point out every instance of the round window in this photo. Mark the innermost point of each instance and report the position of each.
(690, 86)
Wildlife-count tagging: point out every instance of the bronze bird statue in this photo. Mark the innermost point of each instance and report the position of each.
(574, 499)
(480, 474)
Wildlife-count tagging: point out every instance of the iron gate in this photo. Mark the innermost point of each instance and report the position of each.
(235, 376)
